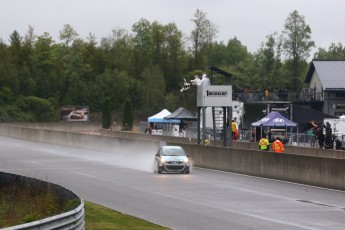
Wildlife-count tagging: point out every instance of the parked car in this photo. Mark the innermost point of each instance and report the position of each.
(171, 159)
(78, 114)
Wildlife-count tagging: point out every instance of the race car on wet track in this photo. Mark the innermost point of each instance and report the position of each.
(171, 159)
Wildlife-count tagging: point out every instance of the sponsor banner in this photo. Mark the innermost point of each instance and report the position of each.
(282, 108)
(214, 95)
(74, 113)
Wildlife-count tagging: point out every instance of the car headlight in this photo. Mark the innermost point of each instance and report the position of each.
(162, 160)
(185, 160)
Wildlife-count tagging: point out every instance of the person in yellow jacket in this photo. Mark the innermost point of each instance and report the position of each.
(266, 94)
(264, 144)
(233, 129)
(277, 146)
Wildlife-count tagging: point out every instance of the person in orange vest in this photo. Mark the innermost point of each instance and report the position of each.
(277, 146)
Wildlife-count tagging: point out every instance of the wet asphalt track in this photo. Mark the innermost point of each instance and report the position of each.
(203, 199)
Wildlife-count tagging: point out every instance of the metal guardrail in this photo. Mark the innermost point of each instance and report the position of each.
(70, 220)
(73, 219)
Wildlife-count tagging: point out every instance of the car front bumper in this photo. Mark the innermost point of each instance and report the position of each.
(174, 167)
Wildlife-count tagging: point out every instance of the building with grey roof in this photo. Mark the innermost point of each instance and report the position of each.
(326, 79)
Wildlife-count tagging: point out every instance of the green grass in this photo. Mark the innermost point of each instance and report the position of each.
(99, 217)
(21, 204)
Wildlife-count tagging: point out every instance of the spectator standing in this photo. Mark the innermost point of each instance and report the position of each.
(338, 144)
(205, 80)
(320, 137)
(277, 146)
(233, 129)
(266, 94)
(311, 135)
(269, 135)
(328, 138)
(264, 143)
(253, 135)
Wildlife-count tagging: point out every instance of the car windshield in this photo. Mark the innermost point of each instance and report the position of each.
(173, 151)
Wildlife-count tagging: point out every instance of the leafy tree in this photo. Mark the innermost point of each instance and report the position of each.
(14, 113)
(74, 72)
(15, 40)
(217, 56)
(158, 42)
(109, 84)
(13, 74)
(335, 51)
(148, 67)
(41, 109)
(106, 113)
(239, 62)
(151, 88)
(7, 68)
(297, 44)
(30, 37)
(172, 101)
(94, 59)
(287, 69)
(117, 50)
(127, 121)
(142, 43)
(236, 52)
(121, 88)
(44, 81)
(268, 62)
(6, 95)
(68, 34)
(174, 61)
(204, 32)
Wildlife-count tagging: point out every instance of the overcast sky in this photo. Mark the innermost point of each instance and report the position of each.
(248, 20)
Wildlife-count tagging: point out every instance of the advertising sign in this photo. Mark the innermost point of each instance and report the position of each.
(214, 95)
(283, 108)
(74, 113)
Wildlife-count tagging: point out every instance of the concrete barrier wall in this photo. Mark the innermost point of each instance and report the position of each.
(75, 126)
(311, 170)
(325, 168)
(78, 140)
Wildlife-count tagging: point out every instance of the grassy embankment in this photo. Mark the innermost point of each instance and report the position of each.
(21, 204)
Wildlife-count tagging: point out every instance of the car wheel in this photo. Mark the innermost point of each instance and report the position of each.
(186, 172)
(157, 169)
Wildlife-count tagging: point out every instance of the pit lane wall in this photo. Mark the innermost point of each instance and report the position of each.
(77, 139)
(318, 167)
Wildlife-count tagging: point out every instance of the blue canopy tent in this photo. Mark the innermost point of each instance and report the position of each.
(275, 120)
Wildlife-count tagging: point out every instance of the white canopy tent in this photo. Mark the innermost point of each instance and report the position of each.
(159, 117)
(157, 122)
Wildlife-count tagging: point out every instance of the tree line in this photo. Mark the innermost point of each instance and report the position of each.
(146, 66)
